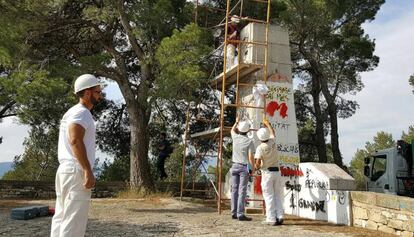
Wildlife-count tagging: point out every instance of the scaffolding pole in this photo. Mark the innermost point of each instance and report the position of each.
(230, 77)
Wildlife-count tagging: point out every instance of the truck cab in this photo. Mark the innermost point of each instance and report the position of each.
(391, 170)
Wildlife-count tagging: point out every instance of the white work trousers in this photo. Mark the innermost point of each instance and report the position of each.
(272, 189)
(231, 55)
(72, 202)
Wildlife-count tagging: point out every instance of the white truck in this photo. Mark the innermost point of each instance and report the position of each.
(391, 170)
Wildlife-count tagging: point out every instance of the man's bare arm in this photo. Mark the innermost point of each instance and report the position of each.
(76, 134)
(258, 163)
(269, 126)
(233, 129)
(251, 160)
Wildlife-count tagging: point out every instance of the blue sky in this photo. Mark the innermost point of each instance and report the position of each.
(386, 102)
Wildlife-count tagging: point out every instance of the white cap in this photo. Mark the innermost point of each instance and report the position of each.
(86, 81)
(263, 134)
(244, 126)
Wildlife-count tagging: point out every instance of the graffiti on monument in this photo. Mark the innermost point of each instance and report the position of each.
(288, 148)
(336, 196)
(292, 201)
(315, 182)
(279, 99)
(313, 205)
(295, 186)
(291, 172)
(280, 126)
(341, 197)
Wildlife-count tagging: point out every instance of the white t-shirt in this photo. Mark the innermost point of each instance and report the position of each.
(267, 153)
(81, 115)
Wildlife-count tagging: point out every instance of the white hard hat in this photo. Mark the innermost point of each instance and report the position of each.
(235, 19)
(263, 134)
(85, 81)
(244, 126)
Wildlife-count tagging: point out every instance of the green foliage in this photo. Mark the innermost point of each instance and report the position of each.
(173, 165)
(117, 170)
(39, 160)
(43, 99)
(381, 141)
(329, 50)
(181, 62)
(409, 136)
(411, 81)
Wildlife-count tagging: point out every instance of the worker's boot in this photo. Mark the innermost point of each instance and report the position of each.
(244, 218)
(279, 221)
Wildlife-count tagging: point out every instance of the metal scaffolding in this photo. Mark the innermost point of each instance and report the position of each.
(237, 75)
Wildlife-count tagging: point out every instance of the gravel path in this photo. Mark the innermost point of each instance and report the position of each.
(169, 217)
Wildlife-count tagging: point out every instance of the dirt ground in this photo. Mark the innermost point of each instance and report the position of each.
(170, 217)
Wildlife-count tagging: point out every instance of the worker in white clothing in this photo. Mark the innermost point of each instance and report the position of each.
(268, 162)
(233, 34)
(76, 154)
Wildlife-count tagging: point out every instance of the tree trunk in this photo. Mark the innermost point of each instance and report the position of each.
(333, 119)
(334, 134)
(320, 136)
(139, 114)
(140, 175)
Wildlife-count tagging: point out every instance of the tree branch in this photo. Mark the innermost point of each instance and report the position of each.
(125, 23)
(8, 106)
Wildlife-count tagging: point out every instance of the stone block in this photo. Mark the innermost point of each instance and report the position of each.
(364, 223)
(396, 224)
(386, 229)
(344, 184)
(406, 204)
(372, 225)
(387, 201)
(363, 197)
(358, 222)
(407, 234)
(377, 217)
(408, 225)
(387, 214)
(360, 213)
(402, 217)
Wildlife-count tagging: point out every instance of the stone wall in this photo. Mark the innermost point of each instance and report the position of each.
(383, 212)
(12, 189)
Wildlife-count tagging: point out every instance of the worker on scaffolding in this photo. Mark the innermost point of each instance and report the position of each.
(243, 149)
(268, 163)
(233, 34)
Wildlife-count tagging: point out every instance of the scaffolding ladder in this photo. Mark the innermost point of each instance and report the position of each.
(232, 76)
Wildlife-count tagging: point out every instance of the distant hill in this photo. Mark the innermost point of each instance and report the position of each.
(4, 167)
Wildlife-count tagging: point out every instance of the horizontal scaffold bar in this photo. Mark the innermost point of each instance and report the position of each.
(243, 106)
(252, 20)
(261, 1)
(246, 42)
(196, 190)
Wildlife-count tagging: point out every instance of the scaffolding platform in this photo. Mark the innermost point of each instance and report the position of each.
(231, 74)
(211, 133)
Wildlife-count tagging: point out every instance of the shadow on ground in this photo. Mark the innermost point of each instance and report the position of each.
(106, 229)
(185, 210)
